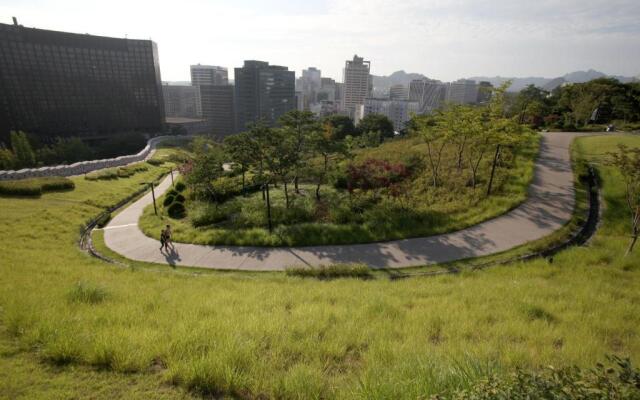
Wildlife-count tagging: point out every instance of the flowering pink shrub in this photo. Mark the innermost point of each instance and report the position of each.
(374, 174)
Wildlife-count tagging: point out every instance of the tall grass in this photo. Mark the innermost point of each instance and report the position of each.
(251, 335)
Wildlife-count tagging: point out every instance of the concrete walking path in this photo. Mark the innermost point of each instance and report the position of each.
(548, 207)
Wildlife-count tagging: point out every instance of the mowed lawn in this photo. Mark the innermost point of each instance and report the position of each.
(70, 318)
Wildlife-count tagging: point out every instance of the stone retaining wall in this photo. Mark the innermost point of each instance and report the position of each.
(84, 167)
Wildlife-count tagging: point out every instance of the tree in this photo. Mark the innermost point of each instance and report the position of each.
(325, 144)
(7, 159)
(627, 161)
(342, 125)
(301, 124)
(530, 105)
(500, 130)
(204, 169)
(242, 151)
(376, 123)
(281, 155)
(23, 153)
(435, 134)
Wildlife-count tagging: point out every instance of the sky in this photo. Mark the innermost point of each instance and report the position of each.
(442, 39)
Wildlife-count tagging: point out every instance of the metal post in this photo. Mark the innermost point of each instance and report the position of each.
(153, 195)
(269, 209)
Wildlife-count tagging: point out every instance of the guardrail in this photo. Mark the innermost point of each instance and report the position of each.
(84, 167)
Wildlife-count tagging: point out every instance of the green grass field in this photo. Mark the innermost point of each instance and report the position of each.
(73, 326)
(421, 211)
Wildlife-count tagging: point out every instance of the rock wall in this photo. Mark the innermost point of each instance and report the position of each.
(84, 167)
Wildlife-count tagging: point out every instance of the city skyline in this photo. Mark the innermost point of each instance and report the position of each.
(444, 40)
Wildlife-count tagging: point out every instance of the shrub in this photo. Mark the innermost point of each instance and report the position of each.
(103, 174)
(179, 198)
(168, 199)
(172, 192)
(88, 293)
(620, 381)
(177, 211)
(103, 219)
(180, 186)
(25, 187)
(155, 161)
(360, 271)
(56, 183)
(35, 186)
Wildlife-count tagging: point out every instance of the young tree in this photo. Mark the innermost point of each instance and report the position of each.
(325, 144)
(204, 169)
(23, 153)
(242, 151)
(627, 161)
(301, 124)
(500, 130)
(281, 156)
(433, 130)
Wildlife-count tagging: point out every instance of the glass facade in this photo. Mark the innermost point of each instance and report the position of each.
(63, 84)
(263, 92)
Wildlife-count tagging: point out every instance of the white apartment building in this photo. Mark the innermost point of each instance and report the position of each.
(429, 93)
(462, 91)
(208, 75)
(357, 84)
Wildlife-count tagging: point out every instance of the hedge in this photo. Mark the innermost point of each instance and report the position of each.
(34, 187)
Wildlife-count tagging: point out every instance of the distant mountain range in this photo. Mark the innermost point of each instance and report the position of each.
(382, 83)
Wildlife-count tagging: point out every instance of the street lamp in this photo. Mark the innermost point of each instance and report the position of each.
(171, 172)
(153, 195)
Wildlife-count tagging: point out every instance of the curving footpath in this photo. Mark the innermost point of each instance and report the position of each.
(548, 207)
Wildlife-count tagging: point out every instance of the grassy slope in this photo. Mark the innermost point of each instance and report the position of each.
(431, 212)
(281, 336)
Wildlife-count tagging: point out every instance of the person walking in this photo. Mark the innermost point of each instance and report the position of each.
(167, 237)
(163, 239)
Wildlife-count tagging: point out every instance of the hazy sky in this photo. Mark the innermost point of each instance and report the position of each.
(443, 39)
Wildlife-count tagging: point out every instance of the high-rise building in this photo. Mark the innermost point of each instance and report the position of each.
(216, 96)
(398, 92)
(357, 83)
(430, 94)
(208, 75)
(310, 84)
(181, 101)
(398, 111)
(61, 84)
(263, 92)
(218, 108)
(327, 91)
(462, 91)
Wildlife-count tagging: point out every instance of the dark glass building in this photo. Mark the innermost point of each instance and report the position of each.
(217, 108)
(65, 84)
(263, 92)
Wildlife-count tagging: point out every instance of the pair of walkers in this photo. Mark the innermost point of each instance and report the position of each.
(165, 238)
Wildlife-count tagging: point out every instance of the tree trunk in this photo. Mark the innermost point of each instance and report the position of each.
(633, 242)
(295, 183)
(244, 193)
(318, 191)
(493, 169)
(268, 207)
(286, 193)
